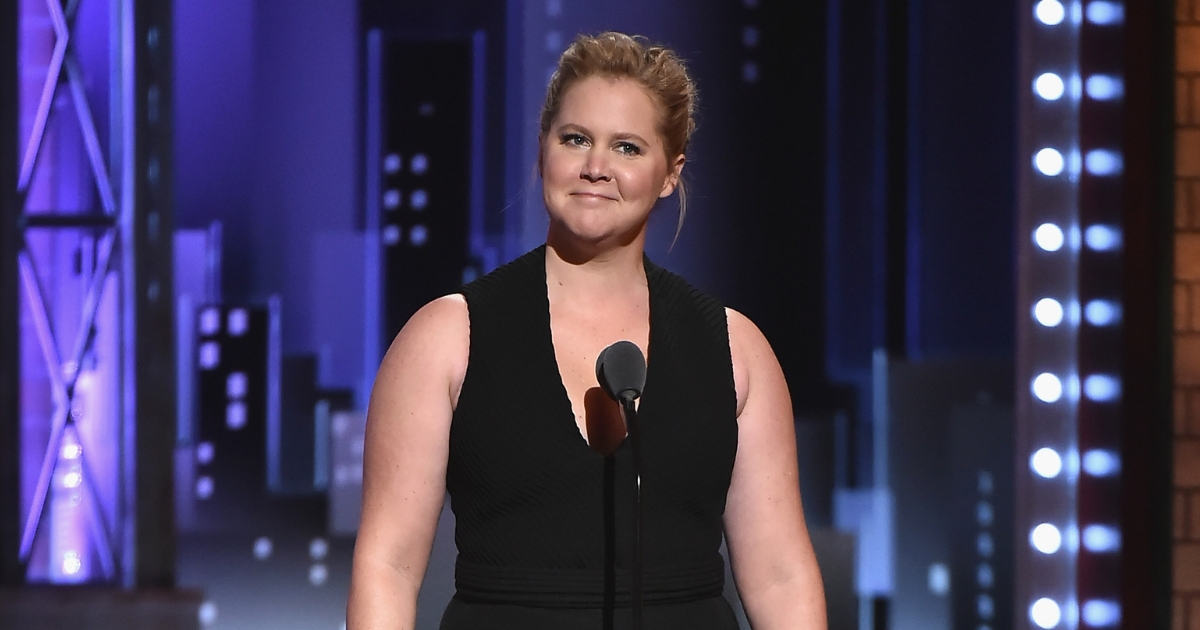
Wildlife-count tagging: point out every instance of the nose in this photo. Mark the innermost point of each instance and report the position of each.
(595, 167)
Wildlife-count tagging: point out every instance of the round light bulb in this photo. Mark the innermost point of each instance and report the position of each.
(1050, 12)
(1046, 538)
(1047, 387)
(1046, 462)
(1049, 86)
(1048, 312)
(1049, 162)
(1049, 237)
(1046, 613)
(1101, 312)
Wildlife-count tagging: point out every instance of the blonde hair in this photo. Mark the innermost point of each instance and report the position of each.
(656, 68)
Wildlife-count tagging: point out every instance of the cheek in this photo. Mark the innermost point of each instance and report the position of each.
(556, 175)
(555, 167)
(647, 181)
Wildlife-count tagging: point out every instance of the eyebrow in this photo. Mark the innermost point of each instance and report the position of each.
(624, 135)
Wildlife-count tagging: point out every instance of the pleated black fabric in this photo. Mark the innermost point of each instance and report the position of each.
(544, 523)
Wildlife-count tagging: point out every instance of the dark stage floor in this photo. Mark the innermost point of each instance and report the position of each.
(286, 573)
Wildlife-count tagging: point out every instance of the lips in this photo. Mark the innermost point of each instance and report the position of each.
(592, 195)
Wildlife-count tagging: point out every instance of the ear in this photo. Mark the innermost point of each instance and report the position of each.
(672, 181)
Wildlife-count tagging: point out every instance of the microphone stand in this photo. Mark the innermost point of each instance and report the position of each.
(631, 423)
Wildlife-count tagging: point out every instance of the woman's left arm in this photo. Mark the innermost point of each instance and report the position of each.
(772, 557)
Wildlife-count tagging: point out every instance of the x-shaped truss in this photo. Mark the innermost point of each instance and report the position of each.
(64, 374)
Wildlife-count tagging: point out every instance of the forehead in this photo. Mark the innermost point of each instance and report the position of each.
(609, 105)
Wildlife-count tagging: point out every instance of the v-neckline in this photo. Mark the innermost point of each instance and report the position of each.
(567, 405)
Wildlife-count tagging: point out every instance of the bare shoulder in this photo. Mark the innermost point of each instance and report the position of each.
(435, 341)
(445, 316)
(753, 359)
(744, 335)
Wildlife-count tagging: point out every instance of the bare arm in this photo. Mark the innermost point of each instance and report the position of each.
(404, 464)
(769, 548)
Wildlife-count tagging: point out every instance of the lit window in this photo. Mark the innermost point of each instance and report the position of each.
(235, 415)
(750, 37)
(239, 322)
(318, 548)
(418, 236)
(419, 200)
(204, 487)
(209, 355)
(985, 576)
(391, 199)
(392, 164)
(210, 321)
(205, 452)
(750, 72)
(985, 545)
(235, 385)
(263, 548)
(208, 613)
(938, 579)
(317, 574)
(420, 164)
(984, 513)
(391, 235)
(985, 606)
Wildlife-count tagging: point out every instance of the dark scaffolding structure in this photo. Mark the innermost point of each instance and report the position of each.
(87, 392)
(10, 566)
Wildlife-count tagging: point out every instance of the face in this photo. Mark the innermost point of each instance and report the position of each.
(602, 163)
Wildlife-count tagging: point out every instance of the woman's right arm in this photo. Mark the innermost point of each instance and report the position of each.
(404, 464)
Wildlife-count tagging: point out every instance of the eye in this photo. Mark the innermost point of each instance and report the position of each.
(573, 139)
(628, 148)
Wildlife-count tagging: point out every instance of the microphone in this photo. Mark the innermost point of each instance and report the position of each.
(621, 371)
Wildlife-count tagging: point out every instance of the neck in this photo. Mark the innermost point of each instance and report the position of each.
(604, 275)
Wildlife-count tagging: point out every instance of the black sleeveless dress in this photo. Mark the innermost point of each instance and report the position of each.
(544, 523)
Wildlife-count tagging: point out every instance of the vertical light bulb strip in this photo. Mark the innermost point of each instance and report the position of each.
(1101, 218)
(1050, 164)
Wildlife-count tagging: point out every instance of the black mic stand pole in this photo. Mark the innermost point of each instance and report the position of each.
(635, 443)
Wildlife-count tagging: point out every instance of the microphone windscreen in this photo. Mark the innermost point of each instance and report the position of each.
(621, 370)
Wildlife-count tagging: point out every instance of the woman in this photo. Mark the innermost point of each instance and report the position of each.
(477, 393)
